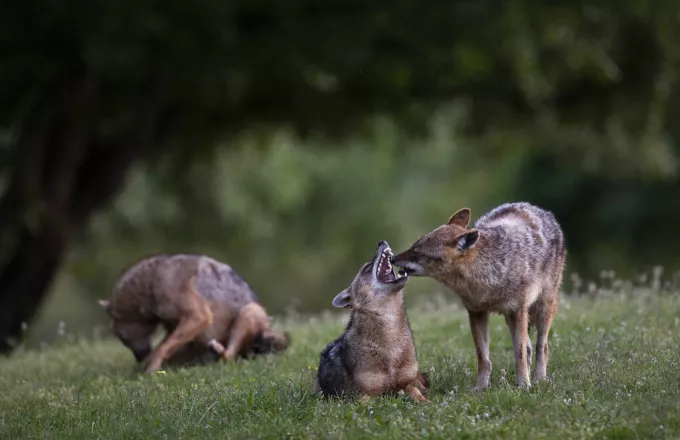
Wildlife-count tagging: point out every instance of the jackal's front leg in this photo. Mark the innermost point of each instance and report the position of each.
(479, 325)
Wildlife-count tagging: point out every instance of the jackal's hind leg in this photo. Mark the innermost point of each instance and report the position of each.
(414, 393)
(250, 321)
(544, 318)
(518, 326)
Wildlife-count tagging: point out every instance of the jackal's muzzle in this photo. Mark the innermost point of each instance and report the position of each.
(382, 266)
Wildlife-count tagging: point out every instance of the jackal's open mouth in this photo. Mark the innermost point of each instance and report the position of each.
(385, 271)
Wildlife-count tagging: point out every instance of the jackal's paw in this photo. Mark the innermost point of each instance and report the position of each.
(144, 364)
(526, 383)
(422, 388)
(482, 383)
(216, 346)
(423, 382)
(538, 377)
(151, 365)
(152, 369)
(424, 391)
(228, 356)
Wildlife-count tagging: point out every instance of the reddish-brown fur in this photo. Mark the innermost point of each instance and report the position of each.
(376, 353)
(511, 262)
(206, 308)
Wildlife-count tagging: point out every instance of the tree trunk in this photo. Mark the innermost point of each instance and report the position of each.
(61, 174)
(26, 279)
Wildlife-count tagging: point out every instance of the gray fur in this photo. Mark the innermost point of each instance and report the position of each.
(206, 308)
(510, 262)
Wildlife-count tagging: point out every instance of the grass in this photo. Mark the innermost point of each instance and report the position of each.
(614, 374)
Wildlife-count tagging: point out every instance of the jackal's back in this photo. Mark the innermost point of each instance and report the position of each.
(524, 241)
(219, 282)
(155, 280)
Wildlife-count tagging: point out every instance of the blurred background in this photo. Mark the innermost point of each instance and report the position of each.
(287, 137)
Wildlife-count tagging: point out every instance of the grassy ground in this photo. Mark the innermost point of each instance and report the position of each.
(614, 367)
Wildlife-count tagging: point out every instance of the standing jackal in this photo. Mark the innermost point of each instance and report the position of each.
(206, 308)
(511, 262)
(376, 353)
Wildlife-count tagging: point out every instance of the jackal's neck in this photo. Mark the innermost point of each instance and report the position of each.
(387, 312)
(482, 269)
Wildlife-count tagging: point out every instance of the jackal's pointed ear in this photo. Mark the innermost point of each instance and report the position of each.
(467, 240)
(106, 305)
(342, 299)
(460, 218)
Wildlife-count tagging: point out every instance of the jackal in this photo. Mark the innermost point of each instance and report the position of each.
(376, 353)
(206, 308)
(511, 262)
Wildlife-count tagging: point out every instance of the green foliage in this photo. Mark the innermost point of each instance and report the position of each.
(613, 368)
(250, 129)
(597, 80)
(295, 219)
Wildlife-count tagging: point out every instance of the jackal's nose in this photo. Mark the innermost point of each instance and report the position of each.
(382, 243)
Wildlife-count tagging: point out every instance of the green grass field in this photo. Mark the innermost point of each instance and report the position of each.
(615, 369)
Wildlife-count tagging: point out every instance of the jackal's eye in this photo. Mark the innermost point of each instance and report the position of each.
(367, 268)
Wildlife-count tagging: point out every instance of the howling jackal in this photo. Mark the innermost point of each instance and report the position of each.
(511, 263)
(376, 353)
(206, 308)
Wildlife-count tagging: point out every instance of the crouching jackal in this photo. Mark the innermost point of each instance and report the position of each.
(376, 353)
(511, 262)
(206, 308)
